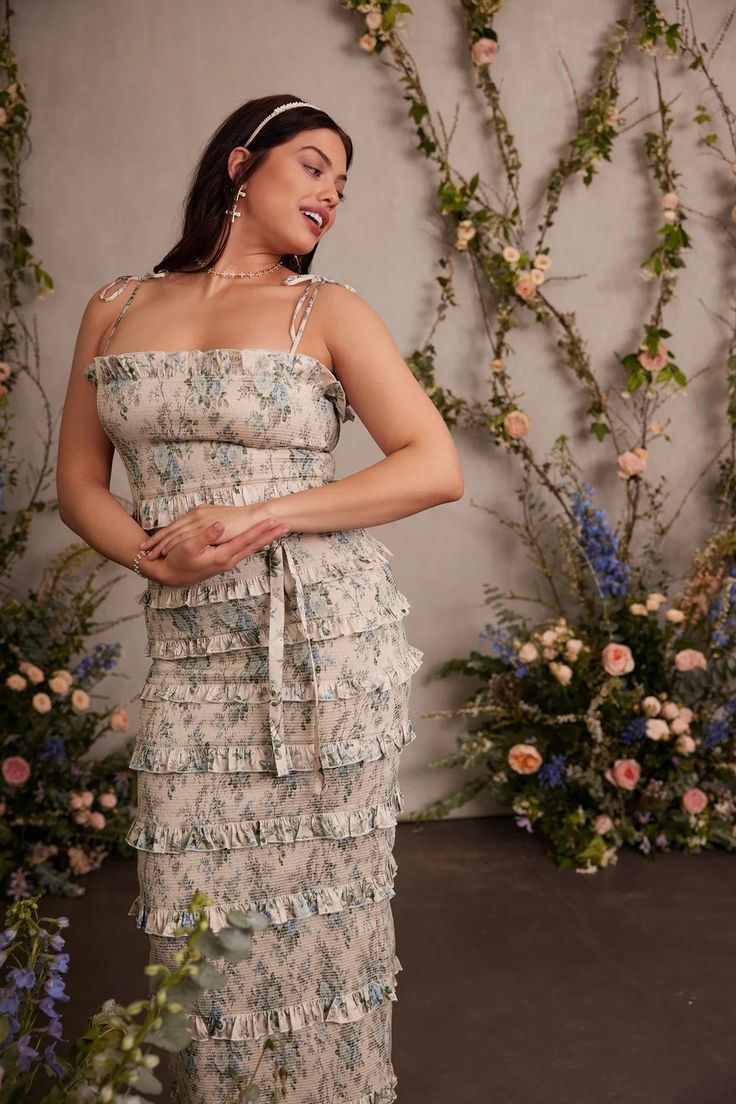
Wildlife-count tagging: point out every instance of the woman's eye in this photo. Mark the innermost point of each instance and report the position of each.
(314, 168)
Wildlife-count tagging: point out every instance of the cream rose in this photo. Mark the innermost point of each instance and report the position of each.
(638, 609)
(80, 699)
(374, 20)
(524, 758)
(685, 744)
(511, 254)
(367, 42)
(657, 728)
(617, 659)
(542, 261)
(651, 706)
(670, 200)
(498, 365)
(602, 824)
(562, 672)
(675, 616)
(528, 652)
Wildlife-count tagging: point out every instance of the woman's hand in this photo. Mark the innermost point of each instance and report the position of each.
(199, 556)
(234, 519)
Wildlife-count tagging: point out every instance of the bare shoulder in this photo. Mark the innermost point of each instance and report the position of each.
(346, 317)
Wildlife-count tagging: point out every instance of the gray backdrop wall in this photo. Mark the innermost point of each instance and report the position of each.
(123, 97)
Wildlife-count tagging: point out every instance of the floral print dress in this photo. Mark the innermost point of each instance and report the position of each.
(273, 715)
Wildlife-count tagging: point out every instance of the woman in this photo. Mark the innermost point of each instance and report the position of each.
(276, 705)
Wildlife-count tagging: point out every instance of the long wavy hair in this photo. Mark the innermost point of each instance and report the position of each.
(206, 221)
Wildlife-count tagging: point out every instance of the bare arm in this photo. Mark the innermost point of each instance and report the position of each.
(421, 468)
(83, 467)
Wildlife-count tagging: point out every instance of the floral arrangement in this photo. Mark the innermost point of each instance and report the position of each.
(610, 721)
(112, 1061)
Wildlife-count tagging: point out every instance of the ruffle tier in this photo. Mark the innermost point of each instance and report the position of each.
(260, 832)
(343, 1008)
(280, 909)
(159, 688)
(248, 758)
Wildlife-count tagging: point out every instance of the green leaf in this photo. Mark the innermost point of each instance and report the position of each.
(184, 991)
(173, 1034)
(208, 977)
(145, 1080)
(247, 920)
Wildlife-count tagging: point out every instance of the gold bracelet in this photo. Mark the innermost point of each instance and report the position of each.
(136, 561)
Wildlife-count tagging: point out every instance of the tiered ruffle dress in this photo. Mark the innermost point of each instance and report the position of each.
(272, 720)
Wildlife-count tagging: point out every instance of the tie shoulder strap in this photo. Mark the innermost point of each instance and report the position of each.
(124, 281)
(310, 293)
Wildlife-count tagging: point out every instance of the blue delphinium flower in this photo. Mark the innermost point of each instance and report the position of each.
(52, 749)
(103, 656)
(600, 544)
(26, 1053)
(634, 731)
(715, 733)
(552, 773)
(501, 646)
(23, 977)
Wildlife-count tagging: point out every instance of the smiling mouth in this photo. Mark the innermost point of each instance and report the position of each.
(313, 222)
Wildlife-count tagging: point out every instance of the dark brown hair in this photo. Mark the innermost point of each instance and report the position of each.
(206, 222)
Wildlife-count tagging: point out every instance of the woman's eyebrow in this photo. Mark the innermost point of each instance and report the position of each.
(342, 176)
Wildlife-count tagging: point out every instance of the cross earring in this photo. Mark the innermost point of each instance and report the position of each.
(233, 213)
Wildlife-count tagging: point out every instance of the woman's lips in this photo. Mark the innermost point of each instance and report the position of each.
(313, 225)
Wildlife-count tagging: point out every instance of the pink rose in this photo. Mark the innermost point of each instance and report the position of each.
(632, 463)
(694, 801)
(517, 423)
(617, 659)
(602, 824)
(654, 363)
(16, 770)
(685, 744)
(118, 720)
(679, 725)
(97, 820)
(107, 800)
(690, 658)
(525, 286)
(670, 710)
(624, 773)
(484, 50)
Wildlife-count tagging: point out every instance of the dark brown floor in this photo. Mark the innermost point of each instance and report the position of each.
(522, 984)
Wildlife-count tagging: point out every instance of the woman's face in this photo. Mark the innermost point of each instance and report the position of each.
(308, 171)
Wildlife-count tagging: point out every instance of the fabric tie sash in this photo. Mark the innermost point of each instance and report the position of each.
(280, 557)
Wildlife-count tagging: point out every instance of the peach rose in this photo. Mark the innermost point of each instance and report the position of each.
(58, 685)
(670, 200)
(624, 773)
(5, 369)
(367, 42)
(632, 463)
(484, 50)
(678, 726)
(41, 703)
(638, 609)
(657, 729)
(16, 770)
(690, 658)
(107, 800)
(80, 699)
(670, 710)
(524, 758)
(685, 744)
(617, 659)
(525, 286)
(16, 682)
(602, 824)
(573, 647)
(118, 720)
(694, 801)
(34, 673)
(528, 652)
(686, 713)
(675, 616)
(655, 600)
(651, 706)
(517, 423)
(498, 365)
(97, 821)
(653, 363)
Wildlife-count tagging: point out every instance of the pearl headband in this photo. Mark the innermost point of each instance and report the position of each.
(277, 111)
